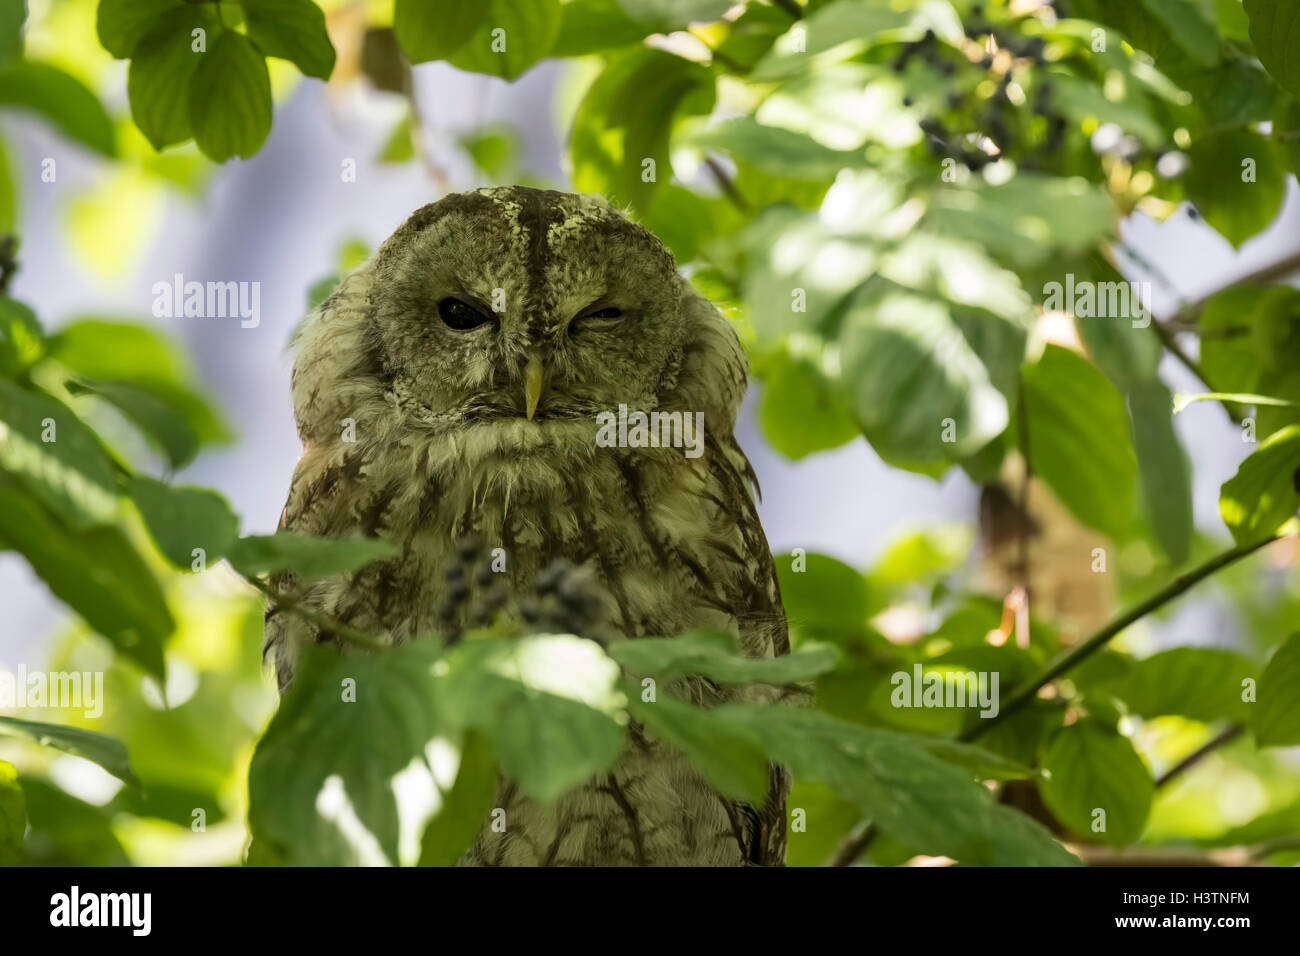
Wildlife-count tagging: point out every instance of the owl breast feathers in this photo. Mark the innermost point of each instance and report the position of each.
(450, 387)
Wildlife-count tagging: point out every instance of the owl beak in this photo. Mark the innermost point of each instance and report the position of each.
(532, 385)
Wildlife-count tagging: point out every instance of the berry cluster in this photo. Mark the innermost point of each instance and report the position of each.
(472, 586)
(567, 601)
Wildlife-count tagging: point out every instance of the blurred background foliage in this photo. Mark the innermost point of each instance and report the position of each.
(879, 193)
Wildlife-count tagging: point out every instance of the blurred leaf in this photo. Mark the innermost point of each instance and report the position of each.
(22, 340)
(1089, 767)
(62, 99)
(663, 16)
(55, 457)
(122, 24)
(13, 14)
(1265, 492)
(434, 31)
(799, 413)
(493, 150)
(181, 519)
(713, 655)
(321, 784)
(230, 99)
(465, 806)
(1026, 218)
(166, 428)
(825, 818)
(162, 69)
(1275, 31)
(982, 764)
(826, 593)
(1079, 439)
(729, 755)
(13, 815)
(305, 556)
(776, 151)
(66, 831)
(108, 752)
(1236, 180)
(1192, 24)
(513, 36)
(399, 148)
(292, 30)
(624, 121)
(1163, 468)
(8, 193)
(919, 799)
(127, 353)
(1201, 683)
(920, 392)
(590, 26)
(1277, 715)
(97, 573)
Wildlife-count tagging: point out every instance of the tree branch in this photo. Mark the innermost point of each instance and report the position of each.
(1227, 735)
(1069, 658)
(294, 605)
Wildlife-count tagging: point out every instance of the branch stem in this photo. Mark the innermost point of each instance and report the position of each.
(294, 605)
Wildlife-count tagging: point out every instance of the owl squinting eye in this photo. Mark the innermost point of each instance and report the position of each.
(461, 316)
(605, 317)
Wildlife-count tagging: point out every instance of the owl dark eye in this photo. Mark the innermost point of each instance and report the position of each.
(609, 312)
(461, 316)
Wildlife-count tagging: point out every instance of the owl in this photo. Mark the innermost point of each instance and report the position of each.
(451, 388)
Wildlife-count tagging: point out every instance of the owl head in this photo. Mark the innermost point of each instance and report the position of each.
(521, 305)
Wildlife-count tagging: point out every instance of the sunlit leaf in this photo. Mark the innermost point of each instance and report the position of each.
(1096, 784)
(230, 99)
(1265, 492)
(108, 752)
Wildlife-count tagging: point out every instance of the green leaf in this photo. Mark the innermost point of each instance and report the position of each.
(230, 99)
(1265, 492)
(822, 592)
(1163, 469)
(434, 31)
(292, 30)
(8, 193)
(664, 16)
(550, 744)
(127, 354)
(62, 99)
(591, 26)
(22, 340)
(1277, 715)
(1079, 439)
(799, 413)
(97, 573)
(181, 519)
(1236, 180)
(713, 655)
(109, 752)
(46, 448)
(920, 391)
(917, 798)
(981, 763)
(625, 119)
(1027, 218)
(305, 556)
(1089, 767)
(1201, 683)
(66, 831)
(1182, 400)
(122, 24)
(1192, 26)
(13, 816)
(464, 807)
(321, 784)
(13, 14)
(513, 36)
(728, 754)
(162, 69)
(166, 428)
(776, 151)
(1275, 32)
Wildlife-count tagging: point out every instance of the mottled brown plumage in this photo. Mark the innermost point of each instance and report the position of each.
(444, 447)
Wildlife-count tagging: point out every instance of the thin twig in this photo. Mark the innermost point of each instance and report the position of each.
(1227, 735)
(1069, 658)
(294, 605)
(727, 184)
